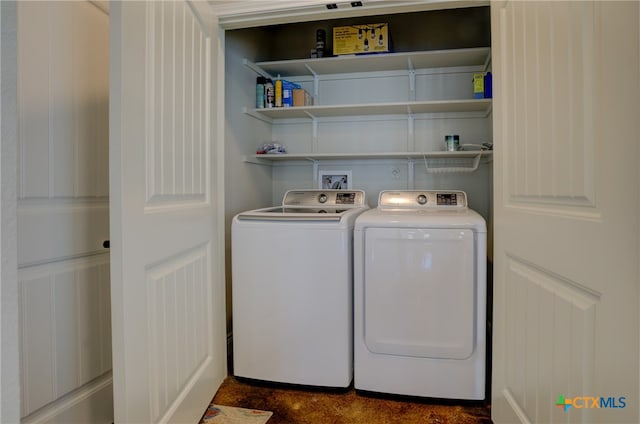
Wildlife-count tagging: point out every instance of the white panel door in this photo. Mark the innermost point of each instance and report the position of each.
(9, 333)
(62, 214)
(169, 350)
(566, 211)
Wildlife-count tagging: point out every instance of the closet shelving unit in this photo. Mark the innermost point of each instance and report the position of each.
(317, 68)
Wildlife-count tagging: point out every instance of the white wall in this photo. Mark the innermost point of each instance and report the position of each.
(386, 134)
(247, 186)
(63, 174)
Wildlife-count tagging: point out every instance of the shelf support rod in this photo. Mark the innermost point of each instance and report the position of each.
(487, 62)
(314, 169)
(258, 70)
(410, 174)
(258, 116)
(314, 132)
(256, 161)
(314, 135)
(316, 82)
(412, 80)
(489, 110)
(410, 133)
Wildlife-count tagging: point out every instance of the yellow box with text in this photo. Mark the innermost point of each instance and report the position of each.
(360, 39)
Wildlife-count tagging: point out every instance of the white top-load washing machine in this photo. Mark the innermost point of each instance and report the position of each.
(420, 296)
(292, 289)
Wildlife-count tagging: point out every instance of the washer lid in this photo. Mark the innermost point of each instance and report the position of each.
(312, 205)
(285, 213)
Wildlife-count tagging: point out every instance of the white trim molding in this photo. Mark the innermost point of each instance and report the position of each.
(254, 13)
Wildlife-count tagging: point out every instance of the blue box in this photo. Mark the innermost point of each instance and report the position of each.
(287, 92)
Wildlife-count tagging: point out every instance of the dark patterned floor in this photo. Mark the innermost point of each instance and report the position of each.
(294, 405)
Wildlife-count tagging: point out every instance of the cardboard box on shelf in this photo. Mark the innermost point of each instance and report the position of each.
(360, 39)
(301, 97)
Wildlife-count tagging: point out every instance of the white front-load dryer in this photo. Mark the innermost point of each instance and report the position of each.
(420, 296)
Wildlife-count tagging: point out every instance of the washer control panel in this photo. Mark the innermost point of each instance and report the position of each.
(342, 198)
(419, 199)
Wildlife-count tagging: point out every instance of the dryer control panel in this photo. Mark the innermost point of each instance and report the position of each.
(419, 199)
